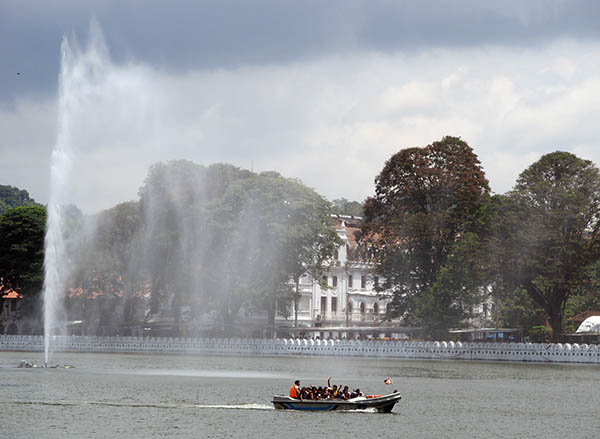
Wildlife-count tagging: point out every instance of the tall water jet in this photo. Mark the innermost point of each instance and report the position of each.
(78, 71)
(61, 164)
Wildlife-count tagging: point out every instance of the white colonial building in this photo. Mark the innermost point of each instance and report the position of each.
(350, 300)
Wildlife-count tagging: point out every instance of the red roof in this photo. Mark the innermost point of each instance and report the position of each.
(351, 234)
(11, 294)
(352, 225)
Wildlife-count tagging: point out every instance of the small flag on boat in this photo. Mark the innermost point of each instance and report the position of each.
(388, 381)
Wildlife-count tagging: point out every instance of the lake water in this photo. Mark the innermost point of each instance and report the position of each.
(146, 396)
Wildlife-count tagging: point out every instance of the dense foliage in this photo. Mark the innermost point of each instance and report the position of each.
(423, 198)
(447, 248)
(552, 220)
(22, 232)
(225, 242)
(11, 196)
(203, 239)
(341, 206)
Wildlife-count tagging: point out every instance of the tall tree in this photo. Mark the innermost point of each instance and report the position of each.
(22, 232)
(186, 226)
(423, 198)
(113, 263)
(342, 206)
(286, 232)
(11, 196)
(552, 239)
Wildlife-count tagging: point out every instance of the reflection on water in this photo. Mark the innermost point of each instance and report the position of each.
(141, 396)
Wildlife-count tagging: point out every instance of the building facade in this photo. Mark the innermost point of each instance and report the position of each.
(350, 299)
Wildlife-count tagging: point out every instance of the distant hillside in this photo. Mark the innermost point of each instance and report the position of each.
(11, 196)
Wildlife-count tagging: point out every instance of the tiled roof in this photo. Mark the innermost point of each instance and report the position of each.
(350, 232)
(351, 224)
(11, 294)
(94, 292)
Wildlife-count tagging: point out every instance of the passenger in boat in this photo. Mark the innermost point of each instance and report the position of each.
(319, 393)
(314, 392)
(356, 394)
(295, 391)
(306, 393)
(345, 394)
(334, 392)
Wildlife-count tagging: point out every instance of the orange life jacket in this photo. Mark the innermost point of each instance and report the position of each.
(294, 392)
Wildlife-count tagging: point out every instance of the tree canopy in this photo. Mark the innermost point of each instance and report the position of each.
(202, 239)
(551, 239)
(423, 198)
(342, 206)
(218, 239)
(11, 196)
(22, 231)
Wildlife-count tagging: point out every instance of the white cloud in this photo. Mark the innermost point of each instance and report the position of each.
(331, 122)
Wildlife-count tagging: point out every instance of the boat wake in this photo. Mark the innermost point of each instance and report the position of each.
(143, 405)
(236, 406)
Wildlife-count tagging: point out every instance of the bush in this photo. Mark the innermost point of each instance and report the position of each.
(540, 334)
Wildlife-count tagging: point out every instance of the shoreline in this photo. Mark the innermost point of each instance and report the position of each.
(514, 352)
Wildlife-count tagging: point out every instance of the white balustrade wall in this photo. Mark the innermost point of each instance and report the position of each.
(531, 352)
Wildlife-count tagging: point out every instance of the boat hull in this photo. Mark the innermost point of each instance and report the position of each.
(383, 404)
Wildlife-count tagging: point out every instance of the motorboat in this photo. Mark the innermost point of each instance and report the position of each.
(381, 403)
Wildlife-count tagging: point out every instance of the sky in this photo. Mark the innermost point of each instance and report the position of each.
(321, 91)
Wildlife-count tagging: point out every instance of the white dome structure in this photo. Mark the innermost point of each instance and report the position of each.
(591, 324)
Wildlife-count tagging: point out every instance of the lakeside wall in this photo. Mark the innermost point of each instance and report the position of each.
(530, 352)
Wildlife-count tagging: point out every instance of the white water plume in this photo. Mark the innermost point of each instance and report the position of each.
(81, 72)
(195, 237)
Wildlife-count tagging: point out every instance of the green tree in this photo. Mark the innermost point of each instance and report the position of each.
(516, 309)
(22, 231)
(11, 196)
(112, 265)
(457, 289)
(342, 206)
(314, 242)
(423, 198)
(186, 228)
(552, 238)
(587, 299)
(285, 232)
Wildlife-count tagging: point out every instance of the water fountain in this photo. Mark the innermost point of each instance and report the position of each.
(77, 71)
(59, 179)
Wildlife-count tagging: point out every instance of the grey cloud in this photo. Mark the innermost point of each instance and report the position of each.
(180, 35)
(330, 122)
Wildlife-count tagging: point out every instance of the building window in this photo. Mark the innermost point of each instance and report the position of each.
(334, 304)
(362, 307)
(350, 307)
(334, 281)
(349, 281)
(336, 255)
(376, 281)
(375, 309)
(363, 282)
(323, 305)
(325, 280)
